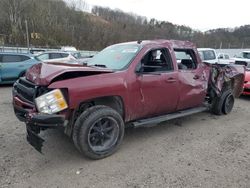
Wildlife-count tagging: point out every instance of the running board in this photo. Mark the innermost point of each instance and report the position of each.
(159, 119)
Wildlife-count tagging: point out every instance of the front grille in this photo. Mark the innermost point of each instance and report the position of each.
(25, 90)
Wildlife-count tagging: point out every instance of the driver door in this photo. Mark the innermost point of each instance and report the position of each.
(158, 84)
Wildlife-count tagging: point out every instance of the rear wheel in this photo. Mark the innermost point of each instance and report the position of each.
(100, 132)
(228, 104)
(223, 104)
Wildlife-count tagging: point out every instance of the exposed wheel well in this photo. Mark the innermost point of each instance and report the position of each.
(228, 85)
(114, 102)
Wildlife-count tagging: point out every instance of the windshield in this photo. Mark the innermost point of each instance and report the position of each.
(115, 57)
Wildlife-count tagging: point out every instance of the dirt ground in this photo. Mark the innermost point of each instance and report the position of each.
(202, 150)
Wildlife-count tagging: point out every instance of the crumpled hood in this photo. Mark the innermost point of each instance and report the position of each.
(45, 73)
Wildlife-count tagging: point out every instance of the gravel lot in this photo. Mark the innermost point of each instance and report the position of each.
(202, 150)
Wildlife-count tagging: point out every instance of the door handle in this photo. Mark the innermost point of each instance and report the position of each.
(171, 80)
(196, 77)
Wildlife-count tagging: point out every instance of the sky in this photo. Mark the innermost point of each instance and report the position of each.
(197, 14)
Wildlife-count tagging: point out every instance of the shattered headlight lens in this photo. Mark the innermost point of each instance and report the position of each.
(51, 102)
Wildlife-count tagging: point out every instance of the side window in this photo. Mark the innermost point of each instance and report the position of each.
(157, 60)
(221, 56)
(227, 56)
(186, 59)
(11, 58)
(55, 55)
(64, 55)
(42, 57)
(24, 58)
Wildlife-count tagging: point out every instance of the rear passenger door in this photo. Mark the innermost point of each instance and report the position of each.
(192, 79)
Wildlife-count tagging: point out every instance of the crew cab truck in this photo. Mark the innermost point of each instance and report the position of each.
(136, 84)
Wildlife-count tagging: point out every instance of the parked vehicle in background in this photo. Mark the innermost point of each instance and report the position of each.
(68, 49)
(56, 56)
(208, 55)
(243, 59)
(224, 58)
(129, 84)
(246, 87)
(14, 66)
(37, 51)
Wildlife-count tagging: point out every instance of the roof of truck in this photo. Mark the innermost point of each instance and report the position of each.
(172, 43)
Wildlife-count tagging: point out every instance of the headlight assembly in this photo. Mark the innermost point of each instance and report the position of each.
(51, 102)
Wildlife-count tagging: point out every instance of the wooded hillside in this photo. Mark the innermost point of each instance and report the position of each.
(53, 23)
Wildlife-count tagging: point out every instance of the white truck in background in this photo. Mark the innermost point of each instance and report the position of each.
(243, 59)
(224, 58)
(209, 55)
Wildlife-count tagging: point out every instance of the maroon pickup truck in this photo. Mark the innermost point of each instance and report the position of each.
(136, 84)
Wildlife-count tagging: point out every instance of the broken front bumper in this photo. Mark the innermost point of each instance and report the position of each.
(35, 122)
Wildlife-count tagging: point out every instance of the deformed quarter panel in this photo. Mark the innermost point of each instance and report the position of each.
(226, 77)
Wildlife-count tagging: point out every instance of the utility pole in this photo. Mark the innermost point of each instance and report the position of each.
(27, 35)
(242, 45)
(220, 44)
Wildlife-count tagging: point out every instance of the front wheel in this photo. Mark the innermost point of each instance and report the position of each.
(100, 132)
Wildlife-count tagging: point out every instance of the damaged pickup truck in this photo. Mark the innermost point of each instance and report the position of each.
(136, 84)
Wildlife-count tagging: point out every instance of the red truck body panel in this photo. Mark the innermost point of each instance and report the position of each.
(142, 95)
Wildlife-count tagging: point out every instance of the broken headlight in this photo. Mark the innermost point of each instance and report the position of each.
(51, 102)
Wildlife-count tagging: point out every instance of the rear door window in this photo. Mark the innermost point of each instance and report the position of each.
(186, 59)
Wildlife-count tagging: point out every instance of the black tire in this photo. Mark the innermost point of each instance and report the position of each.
(218, 104)
(77, 126)
(228, 103)
(99, 132)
